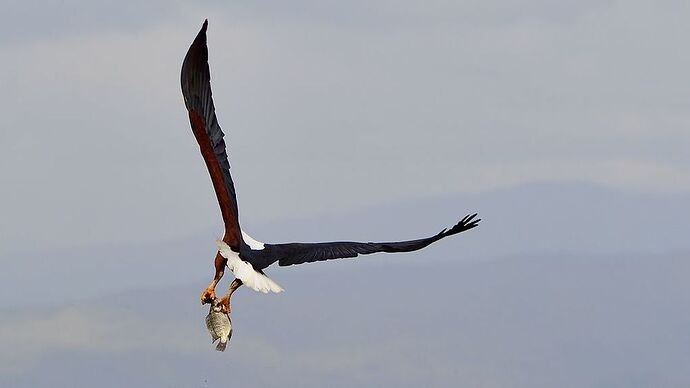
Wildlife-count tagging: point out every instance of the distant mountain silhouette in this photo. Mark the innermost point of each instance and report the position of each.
(549, 321)
(562, 218)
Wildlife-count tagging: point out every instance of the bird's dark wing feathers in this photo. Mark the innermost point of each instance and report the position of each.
(298, 253)
(196, 90)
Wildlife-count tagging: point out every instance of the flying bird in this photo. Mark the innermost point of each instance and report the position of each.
(244, 256)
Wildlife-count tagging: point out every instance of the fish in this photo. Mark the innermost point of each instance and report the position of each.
(219, 326)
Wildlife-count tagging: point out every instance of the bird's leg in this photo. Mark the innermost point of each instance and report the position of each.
(224, 302)
(209, 293)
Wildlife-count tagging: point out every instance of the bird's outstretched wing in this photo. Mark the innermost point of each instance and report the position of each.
(196, 90)
(298, 253)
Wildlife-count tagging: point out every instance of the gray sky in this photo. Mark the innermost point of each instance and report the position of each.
(329, 106)
(565, 123)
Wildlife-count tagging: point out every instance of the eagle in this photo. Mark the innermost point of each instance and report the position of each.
(244, 256)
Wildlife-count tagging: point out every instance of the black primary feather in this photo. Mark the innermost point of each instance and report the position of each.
(298, 253)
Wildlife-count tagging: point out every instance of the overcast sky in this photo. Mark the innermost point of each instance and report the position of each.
(328, 106)
(565, 123)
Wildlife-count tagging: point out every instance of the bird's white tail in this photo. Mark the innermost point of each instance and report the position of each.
(244, 271)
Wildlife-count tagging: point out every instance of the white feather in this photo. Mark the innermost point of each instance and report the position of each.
(245, 272)
(255, 245)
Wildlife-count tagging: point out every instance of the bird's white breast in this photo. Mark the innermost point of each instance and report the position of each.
(244, 271)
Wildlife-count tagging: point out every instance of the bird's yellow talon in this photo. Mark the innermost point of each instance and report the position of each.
(224, 304)
(208, 296)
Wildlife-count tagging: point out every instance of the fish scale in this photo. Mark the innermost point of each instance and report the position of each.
(219, 326)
